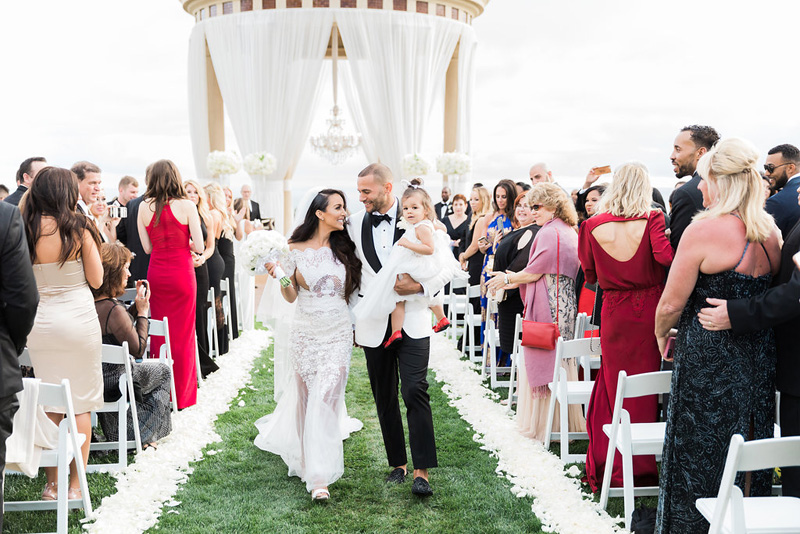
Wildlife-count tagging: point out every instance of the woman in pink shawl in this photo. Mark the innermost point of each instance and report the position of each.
(553, 259)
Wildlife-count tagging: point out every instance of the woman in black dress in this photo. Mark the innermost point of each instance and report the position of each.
(471, 257)
(457, 223)
(196, 194)
(512, 255)
(216, 264)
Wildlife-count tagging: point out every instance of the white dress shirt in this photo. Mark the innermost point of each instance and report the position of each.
(85, 209)
(383, 234)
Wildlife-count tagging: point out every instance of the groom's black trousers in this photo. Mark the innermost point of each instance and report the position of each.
(407, 362)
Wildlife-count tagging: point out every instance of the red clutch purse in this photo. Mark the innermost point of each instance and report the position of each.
(540, 335)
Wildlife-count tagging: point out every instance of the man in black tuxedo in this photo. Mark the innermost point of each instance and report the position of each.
(783, 166)
(128, 235)
(19, 299)
(25, 174)
(689, 146)
(778, 308)
(445, 207)
(255, 209)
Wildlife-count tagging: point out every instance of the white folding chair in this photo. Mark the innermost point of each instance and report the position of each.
(731, 512)
(161, 328)
(568, 392)
(114, 354)
(239, 321)
(587, 363)
(471, 322)
(129, 295)
(211, 326)
(456, 309)
(633, 439)
(69, 449)
(491, 346)
(516, 359)
(225, 293)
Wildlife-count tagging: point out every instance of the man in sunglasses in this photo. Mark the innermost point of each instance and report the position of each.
(783, 166)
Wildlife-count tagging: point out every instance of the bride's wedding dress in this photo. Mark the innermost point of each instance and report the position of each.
(306, 427)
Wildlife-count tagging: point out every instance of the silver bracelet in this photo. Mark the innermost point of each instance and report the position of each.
(506, 280)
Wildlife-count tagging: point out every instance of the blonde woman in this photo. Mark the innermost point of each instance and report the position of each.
(547, 288)
(471, 257)
(225, 237)
(722, 384)
(624, 249)
(196, 193)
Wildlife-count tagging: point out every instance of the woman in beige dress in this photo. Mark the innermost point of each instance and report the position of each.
(65, 341)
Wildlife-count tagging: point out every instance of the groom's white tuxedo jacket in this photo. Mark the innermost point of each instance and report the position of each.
(371, 330)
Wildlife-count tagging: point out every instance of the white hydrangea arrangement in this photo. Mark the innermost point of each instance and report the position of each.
(221, 162)
(260, 163)
(415, 165)
(262, 247)
(453, 164)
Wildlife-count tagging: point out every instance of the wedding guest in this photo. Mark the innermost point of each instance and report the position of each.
(128, 235)
(471, 257)
(4, 192)
(591, 180)
(252, 205)
(547, 288)
(197, 196)
(65, 341)
(89, 180)
(128, 189)
(244, 226)
(691, 144)
(522, 188)
(106, 225)
(783, 166)
(593, 196)
(222, 264)
(18, 300)
(512, 255)
(722, 384)
(539, 173)
(119, 325)
(27, 171)
(445, 207)
(169, 228)
(624, 249)
(457, 223)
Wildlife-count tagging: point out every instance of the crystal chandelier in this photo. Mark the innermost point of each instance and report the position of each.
(335, 145)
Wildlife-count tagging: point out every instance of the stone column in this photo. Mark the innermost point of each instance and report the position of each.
(451, 107)
(216, 118)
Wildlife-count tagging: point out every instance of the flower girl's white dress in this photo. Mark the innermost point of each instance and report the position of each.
(381, 298)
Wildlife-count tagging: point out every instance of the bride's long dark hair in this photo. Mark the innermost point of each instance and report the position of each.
(341, 245)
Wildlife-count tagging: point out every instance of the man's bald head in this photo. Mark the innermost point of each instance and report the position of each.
(539, 173)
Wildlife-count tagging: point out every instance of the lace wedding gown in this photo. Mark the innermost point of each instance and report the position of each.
(305, 429)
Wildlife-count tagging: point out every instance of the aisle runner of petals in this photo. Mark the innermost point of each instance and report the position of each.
(558, 501)
(153, 479)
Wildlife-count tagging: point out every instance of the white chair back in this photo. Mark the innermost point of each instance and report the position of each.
(211, 326)
(225, 292)
(161, 328)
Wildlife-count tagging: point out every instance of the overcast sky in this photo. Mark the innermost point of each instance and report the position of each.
(575, 84)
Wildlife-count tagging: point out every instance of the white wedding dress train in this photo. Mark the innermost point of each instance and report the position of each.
(308, 425)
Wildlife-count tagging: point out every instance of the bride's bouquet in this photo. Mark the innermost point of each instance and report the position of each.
(265, 247)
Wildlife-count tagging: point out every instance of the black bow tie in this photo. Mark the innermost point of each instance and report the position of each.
(377, 219)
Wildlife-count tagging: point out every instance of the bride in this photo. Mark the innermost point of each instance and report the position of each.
(305, 429)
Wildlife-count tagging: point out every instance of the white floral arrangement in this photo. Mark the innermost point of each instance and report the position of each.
(221, 162)
(453, 164)
(262, 247)
(260, 163)
(415, 165)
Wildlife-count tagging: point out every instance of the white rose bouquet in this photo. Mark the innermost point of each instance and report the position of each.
(265, 247)
(219, 162)
(415, 165)
(260, 163)
(453, 163)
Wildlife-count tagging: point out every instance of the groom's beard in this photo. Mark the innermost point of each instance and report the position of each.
(379, 204)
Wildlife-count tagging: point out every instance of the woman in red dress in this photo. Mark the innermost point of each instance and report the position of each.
(624, 249)
(166, 221)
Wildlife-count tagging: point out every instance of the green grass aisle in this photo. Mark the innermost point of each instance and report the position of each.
(241, 489)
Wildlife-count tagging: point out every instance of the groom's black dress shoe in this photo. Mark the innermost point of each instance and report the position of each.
(421, 487)
(398, 476)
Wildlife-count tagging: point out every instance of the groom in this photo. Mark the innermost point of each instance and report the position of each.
(375, 231)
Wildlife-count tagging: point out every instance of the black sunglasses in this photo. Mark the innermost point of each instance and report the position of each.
(770, 168)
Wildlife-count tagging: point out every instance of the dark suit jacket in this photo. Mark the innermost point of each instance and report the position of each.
(777, 308)
(16, 196)
(19, 297)
(438, 208)
(255, 212)
(784, 207)
(128, 235)
(686, 201)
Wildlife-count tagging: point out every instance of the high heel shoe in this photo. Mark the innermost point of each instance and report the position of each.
(397, 335)
(320, 494)
(74, 494)
(50, 492)
(441, 325)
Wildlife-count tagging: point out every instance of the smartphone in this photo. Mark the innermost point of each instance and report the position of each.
(670, 348)
(483, 239)
(605, 169)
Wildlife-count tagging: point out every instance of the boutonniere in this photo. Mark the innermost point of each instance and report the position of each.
(403, 225)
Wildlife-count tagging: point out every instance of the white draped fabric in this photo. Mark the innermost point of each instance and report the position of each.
(268, 65)
(397, 65)
(466, 83)
(198, 101)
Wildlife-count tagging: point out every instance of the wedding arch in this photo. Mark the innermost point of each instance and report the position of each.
(262, 60)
